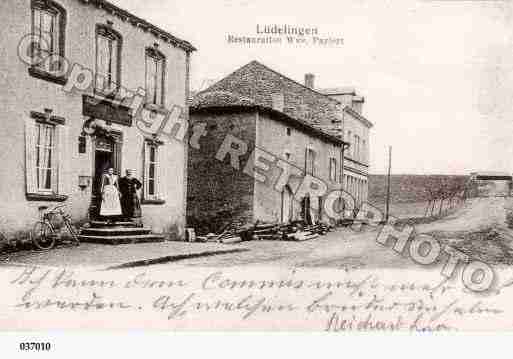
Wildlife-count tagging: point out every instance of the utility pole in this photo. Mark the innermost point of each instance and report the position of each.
(388, 183)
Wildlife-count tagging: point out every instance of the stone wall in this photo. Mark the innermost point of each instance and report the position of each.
(219, 194)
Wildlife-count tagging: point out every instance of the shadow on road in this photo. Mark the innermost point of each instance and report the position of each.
(170, 259)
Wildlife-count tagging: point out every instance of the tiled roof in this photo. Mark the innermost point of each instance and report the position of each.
(258, 83)
(346, 90)
(220, 99)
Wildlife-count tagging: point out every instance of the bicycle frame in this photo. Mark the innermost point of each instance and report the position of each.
(70, 227)
(67, 222)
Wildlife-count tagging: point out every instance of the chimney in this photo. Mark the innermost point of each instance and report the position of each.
(357, 103)
(309, 80)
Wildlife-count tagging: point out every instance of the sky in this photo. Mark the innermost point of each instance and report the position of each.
(437, 76)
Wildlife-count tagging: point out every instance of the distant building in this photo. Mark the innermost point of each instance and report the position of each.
(491, 184)
(291, 124)
(355, 128)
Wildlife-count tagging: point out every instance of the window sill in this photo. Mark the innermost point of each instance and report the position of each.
(47, 76)
(112, 96)
(356, 161)
(155, 108)
(46, 197)
(153, 201)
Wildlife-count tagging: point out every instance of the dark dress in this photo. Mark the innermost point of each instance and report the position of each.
(130, 203)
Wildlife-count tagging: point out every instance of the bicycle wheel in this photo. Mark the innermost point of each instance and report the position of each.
(43, 236)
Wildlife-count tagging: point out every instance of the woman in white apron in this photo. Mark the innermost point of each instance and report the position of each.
(111, 206)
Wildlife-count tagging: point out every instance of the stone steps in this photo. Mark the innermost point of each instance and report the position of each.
(114, 231)
(122, 239)
(103, 224)
(117, 233)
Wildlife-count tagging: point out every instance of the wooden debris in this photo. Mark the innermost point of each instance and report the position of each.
(294, 231)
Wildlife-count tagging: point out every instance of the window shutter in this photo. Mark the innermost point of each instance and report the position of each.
(146, 162)
(158, 192)
(30, 155)
(146, 169)
(63, 164)
(56, 160)
(314, 155)
(149, 79)
(306, 160)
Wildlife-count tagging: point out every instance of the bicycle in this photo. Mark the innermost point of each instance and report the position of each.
(44, 234)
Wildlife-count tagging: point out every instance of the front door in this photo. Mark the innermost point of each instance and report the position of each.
(104, 157)
(286, 204)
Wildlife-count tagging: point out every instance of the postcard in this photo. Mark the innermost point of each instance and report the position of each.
(272, 166)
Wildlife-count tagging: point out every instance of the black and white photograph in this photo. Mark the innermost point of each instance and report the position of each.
(271, 166)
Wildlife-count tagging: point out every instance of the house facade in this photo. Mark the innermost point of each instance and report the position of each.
(279, 132)
(83, 81)
(355, 129)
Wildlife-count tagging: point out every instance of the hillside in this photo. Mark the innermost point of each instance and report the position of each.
(406, 188)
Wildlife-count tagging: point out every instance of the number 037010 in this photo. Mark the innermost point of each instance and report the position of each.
(34, 346)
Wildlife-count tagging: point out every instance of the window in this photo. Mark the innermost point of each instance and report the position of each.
(359, 148)
(45, 26)
(48, 28)
(45, 151)
(333, 169)
(310, 162)
(364, 151)
(108, 62)
(151, 171)
(155, 71)
(287, 156)
(44, 158)
(289, 131)
(359, 190)
(355, 149)
(350, 149)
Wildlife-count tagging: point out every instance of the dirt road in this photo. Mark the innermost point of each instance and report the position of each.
(475, 215)
(343, 249)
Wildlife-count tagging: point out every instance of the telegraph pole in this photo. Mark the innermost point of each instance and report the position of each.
(388, 183)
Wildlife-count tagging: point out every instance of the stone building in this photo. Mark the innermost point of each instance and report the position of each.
(73, 95)
(264, 134)
(355, 128)
(490, 184)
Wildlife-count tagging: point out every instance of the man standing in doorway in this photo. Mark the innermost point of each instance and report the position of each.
(130, 203)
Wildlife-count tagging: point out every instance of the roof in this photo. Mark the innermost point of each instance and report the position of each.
(334, 91)
(213, 101)
(348, 109)
(138, 22)
(220, 99)
(258, 83)
(491, 174)
(345, 90)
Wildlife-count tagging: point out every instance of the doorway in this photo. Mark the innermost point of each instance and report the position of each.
(107, 153)
(287, 202)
